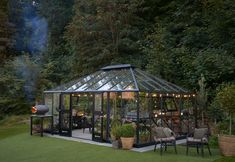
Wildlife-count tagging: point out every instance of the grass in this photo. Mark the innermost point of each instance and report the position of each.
(13, 125)
(17, 145)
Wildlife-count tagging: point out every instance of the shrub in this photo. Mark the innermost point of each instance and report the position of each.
(115, 128)
(213, 141)
(127, 130)
(226, 101)
(116, 131)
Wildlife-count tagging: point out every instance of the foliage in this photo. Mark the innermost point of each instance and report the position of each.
(215, 113)
(176, 40)
(213, 141)
(6, 32)
(12, 100)
(103, 32)
(201, 97)
(127, 130)
(225, 100)
(187, 41)
(116, 131)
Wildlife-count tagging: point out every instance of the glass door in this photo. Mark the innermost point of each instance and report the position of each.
(65, 113)
(98, 118)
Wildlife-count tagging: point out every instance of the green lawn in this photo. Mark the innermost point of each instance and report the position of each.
(16, 145)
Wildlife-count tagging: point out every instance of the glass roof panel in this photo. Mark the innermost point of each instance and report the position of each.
(170, 87)
(105, 83)
(120, 78)
(83, 81)
(93, 81)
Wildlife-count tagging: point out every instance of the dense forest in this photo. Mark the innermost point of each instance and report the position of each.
(46, 43)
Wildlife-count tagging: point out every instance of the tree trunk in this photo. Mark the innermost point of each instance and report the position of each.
(230, 124)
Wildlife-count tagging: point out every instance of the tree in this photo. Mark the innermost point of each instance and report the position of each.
(189, 39)
(13, 100)
(226, 100)
(202, 97)
(6, 32)
(103, 32)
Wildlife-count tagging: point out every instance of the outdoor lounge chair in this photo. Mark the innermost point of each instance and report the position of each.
(165, 137)
(198, 139)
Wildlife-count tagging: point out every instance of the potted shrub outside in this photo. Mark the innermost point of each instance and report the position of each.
(226, 100)
(115, 133)
(115, 136)
(127, 133)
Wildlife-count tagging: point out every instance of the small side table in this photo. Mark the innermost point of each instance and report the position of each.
(41, 117)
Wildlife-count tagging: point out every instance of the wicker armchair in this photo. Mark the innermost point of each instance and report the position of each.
(198, 139)
(165, 137)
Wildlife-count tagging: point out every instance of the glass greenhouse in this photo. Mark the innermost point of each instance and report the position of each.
(120, 92)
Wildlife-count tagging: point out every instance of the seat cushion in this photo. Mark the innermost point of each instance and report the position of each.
(195, 140)
(167, 139)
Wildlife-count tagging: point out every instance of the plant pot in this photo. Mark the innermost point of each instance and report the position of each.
(227, 145)
(127, 142)
(116, 144)
(113, 138)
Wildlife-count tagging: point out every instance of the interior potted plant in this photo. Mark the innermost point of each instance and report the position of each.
(127, 133)
(144, 136)
(225, 99)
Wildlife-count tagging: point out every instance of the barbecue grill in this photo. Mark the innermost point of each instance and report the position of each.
(40, 109)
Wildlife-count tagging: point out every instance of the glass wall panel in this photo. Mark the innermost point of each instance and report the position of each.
(145, 123)
(115, 106)
(98, 118)
(129, 108)
(56, 103)
(115, 103)
(65, 113)
(188, 116)
(48, 100)
(105, 117)
(82, 106)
